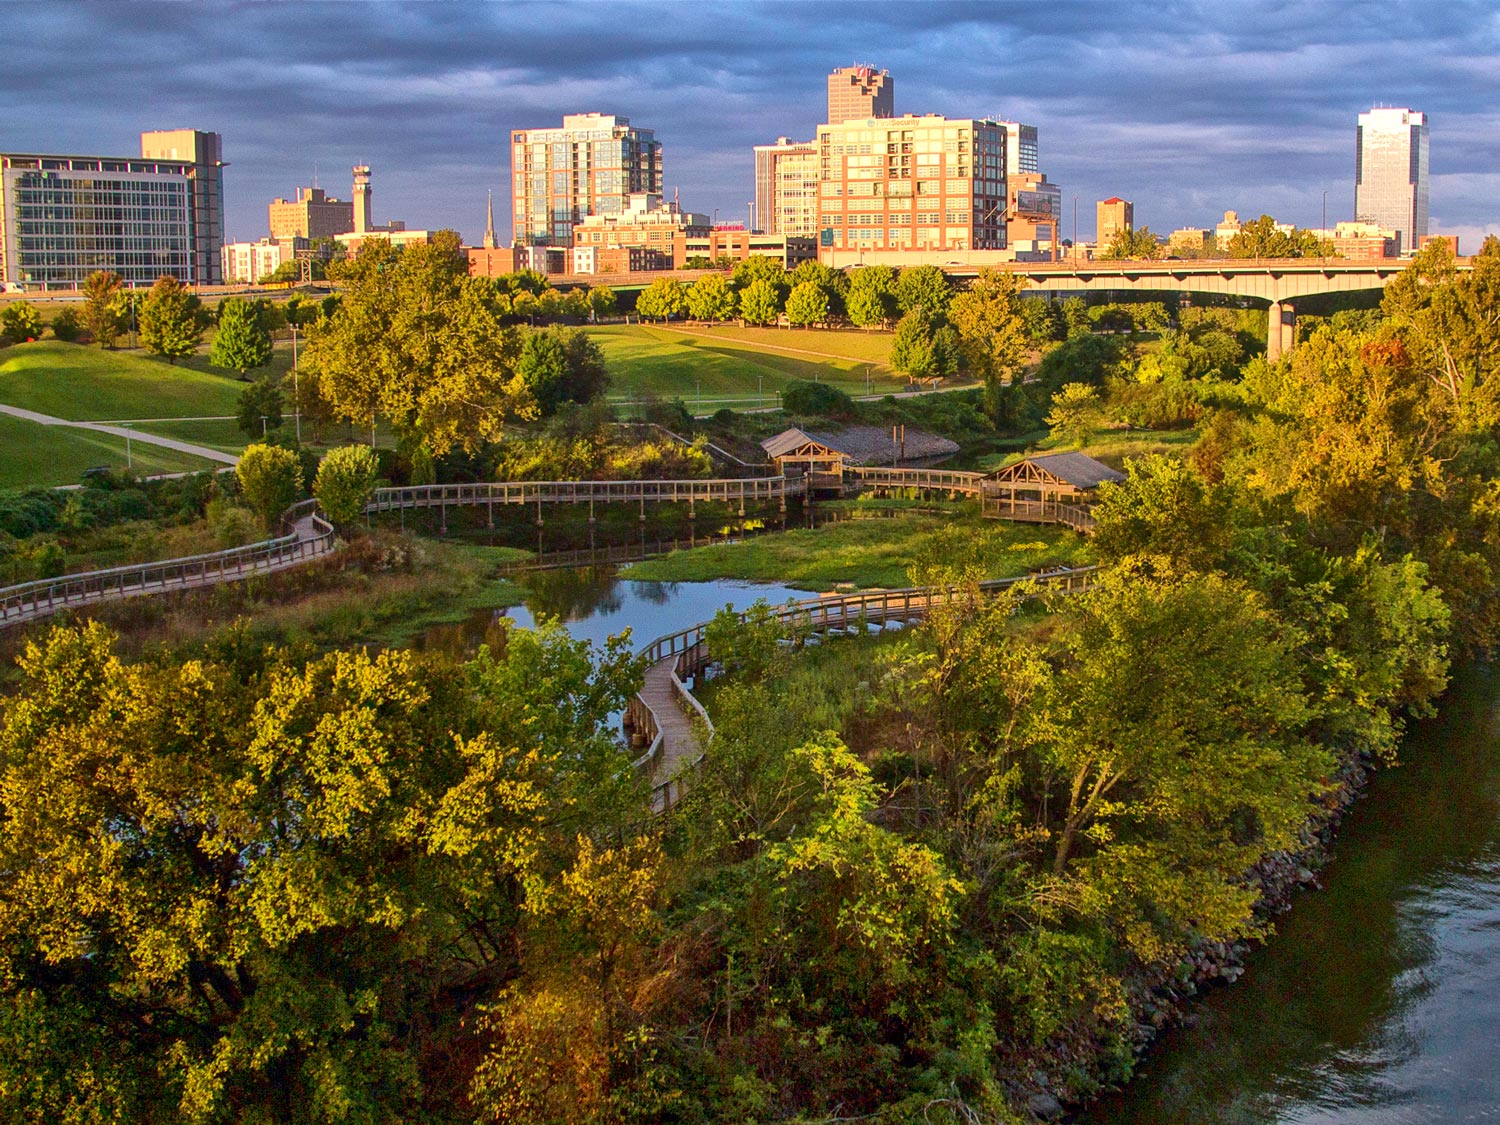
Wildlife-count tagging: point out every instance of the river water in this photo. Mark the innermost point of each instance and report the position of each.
(1378, 1001)
(593, 604)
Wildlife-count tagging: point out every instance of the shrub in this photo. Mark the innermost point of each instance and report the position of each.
(803, 397)
(270, 480)
(67, 326)
(345, 481)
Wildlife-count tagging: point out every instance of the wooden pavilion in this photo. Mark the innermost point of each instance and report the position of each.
(797, 451)
(1051, 488)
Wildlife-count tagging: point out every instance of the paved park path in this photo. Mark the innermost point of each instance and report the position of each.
(121, 432)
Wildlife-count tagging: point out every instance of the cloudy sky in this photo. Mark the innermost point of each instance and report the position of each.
(1186, 108)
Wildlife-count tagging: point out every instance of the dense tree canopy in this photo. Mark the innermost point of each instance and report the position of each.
(417, 340)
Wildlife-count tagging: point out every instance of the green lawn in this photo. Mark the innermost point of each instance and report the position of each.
(93, 385)
(35, 455)
(863, 553)
(222, 434)
(731, 365)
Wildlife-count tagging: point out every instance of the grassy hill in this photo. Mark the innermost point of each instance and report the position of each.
(32, 455)
(89, 384)
(730, 364)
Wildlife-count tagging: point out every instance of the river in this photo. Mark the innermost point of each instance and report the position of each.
(1378, 1001)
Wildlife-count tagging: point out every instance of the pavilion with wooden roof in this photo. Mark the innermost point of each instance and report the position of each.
(796, 451)
(1050, 488)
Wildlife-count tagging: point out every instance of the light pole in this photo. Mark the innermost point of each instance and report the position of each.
(129, 459)
(296, 391)
(1323, 233)
(1075, 231)
(760, 383)
(750, 216)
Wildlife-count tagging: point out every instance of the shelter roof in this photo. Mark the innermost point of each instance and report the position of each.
(862, 445)
(1077, 469)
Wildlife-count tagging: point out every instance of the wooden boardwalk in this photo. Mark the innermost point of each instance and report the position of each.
(308, 536)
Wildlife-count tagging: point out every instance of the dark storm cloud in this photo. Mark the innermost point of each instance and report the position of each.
(1188, 108)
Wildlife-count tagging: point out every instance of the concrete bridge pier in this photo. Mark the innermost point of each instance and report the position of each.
(1281, 330)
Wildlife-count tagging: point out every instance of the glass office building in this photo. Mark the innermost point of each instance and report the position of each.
(1390, 173)
(590, 166)
(63, 217)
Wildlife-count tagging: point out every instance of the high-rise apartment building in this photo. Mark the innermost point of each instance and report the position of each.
(590, 166)
(311, 215)
(63, 217)
(786, 188)
(857, 92)
(912, 183)
(1111, 216)
(1390, 173)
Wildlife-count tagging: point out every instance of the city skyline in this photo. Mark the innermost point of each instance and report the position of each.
(1164, 105)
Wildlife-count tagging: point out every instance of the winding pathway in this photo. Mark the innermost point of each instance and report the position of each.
(133, 434)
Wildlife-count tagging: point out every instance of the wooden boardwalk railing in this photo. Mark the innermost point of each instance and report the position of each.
(306, 535)
(953, 481)
(740, 490)
(676, 747)
(309, 535)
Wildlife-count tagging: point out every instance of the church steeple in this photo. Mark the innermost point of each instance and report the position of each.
(489, 230)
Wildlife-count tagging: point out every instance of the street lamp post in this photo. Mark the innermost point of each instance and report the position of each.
(129, 459)
(296, 391)
(1323, 234)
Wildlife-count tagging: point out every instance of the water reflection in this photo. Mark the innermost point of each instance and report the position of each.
(1378, 1002)
(594, 604)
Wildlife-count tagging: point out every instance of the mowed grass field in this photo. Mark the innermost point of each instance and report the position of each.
(729, 366)
(33, 455)
(866, 553)
(88, 384)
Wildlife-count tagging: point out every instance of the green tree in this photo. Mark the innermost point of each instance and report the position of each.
(1134, 244)
(759, 267)
(1260, 238)
(992, 336)
(1179, 758)
(808, 304)
(241, 342)
(270, 480)
(912, 347)
(924, 287)
(345, 482)
(1075, 314)
(662, 300)
(416, 339)
(1080, 359)
(259, 407)
(169, 320)
(872, 297)
(833, 282)
(1076, 410)
(20, 322)
(586, 376)
(101, 309)
(602, 301)
(1044, 322)
(541, 368)
(758, 303)
(710, 298)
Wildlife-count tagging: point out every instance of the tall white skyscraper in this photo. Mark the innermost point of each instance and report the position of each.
(1390, 172)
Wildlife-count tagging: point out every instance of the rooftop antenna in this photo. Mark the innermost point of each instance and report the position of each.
(315, 173)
